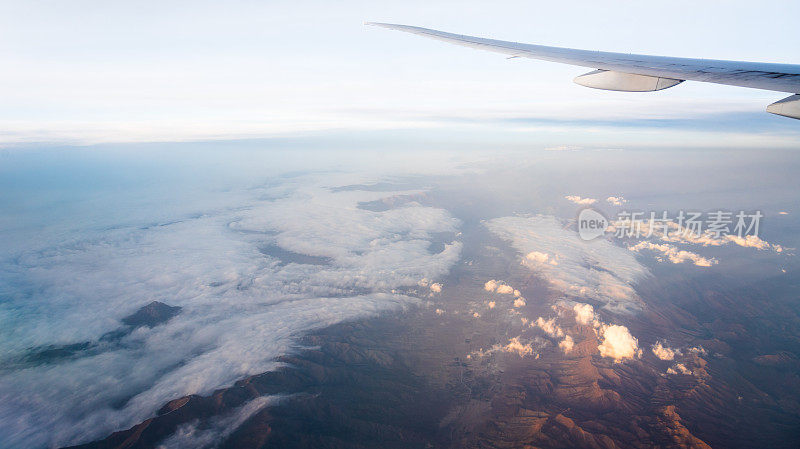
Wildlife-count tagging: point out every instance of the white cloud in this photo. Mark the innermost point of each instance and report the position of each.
(519, 302)
(752, 241)
(664, 352)
(566, 344)
(540, 257)
(505, 289)
(549, 327)
(584, 313)
(618, 343)
(192, 435)
(697, 350)
(616, 200)
(673, 232)
(500, 287)
(679, 368)
(579, 200)
(242, 307)
(516, 346)
(600, 271)
(674, 254)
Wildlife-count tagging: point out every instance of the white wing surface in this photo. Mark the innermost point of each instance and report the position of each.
(639, 73)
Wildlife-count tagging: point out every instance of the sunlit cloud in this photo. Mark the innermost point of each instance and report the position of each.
(616, 342)
(616, 200)
(580, 200)
(516, 345)
(603, 271)
(673, 254)
(584, 313)
(679, 368)
(549, 327)
(566, 344)
(664, 352)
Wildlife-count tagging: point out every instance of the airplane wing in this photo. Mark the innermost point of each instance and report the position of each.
(642, 73)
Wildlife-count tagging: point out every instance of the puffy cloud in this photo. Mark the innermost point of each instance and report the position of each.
(601, 270)
(505, 289)
(500, 287)
(578, 200)
(664, 352)
(519, 302)
(618, 343)
(540, 257)
(674, 254)
(566, 344)
(491, 304)
(515, 345)
(549, 327)
(616, 200)
(436, 287)
(584, 313)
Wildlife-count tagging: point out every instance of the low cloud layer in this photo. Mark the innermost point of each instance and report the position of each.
(601, 270)
(235, 274)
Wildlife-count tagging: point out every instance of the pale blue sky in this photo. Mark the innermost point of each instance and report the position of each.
(107, 71)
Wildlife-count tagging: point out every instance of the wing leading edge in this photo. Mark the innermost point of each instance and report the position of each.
(633, 70)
